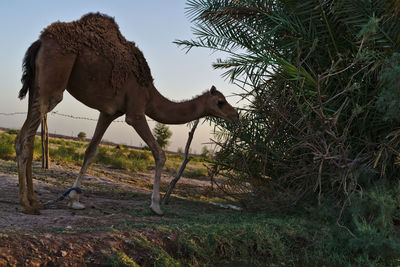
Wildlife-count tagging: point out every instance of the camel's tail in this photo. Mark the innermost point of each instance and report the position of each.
(28, 68)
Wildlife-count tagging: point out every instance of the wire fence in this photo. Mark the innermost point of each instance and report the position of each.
(62, 115)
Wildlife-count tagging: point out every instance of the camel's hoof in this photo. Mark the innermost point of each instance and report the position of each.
(76, 205)
(30, 210)
(157, 210)
(37, 205)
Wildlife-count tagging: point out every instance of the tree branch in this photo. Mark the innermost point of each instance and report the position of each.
(183, 166)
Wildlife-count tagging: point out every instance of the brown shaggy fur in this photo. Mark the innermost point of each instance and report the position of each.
(100, 33)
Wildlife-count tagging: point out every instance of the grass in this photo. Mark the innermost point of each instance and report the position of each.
(72, 152)
(6, 145)
(120, 259)
(194, 233)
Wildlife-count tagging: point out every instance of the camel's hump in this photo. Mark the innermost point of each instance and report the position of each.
(101, 33)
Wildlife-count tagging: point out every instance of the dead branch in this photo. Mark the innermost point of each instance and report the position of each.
(183, 166)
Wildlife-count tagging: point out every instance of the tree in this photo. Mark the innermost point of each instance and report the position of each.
(162, 134)
(82, 136)
(205, 152)
(321, 78)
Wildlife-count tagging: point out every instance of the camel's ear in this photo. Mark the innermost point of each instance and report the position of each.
(213, 90)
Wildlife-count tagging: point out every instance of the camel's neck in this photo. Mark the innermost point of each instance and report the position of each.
(165, 111)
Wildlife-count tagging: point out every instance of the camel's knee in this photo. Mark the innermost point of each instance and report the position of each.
(91, 151)
(23, 146)
(18, 145)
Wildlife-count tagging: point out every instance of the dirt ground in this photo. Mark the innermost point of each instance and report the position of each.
(65, 237)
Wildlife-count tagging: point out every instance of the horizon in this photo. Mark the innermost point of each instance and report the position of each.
(177, 75)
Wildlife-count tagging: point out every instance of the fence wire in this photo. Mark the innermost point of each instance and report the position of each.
(62, 115)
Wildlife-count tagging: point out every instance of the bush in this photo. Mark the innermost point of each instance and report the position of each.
(82, 136)
(370, 219)
(205, 152)
(66, 153)
(6, 145)
(13, 131)
(321, 105)
(123, 158)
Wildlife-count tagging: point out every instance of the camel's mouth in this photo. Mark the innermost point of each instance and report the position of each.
(234, 118)
(235, 121)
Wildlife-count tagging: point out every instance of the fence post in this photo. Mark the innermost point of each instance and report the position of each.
(46, 144)
(44, 134)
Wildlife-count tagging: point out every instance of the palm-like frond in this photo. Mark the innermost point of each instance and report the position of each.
(314, 69)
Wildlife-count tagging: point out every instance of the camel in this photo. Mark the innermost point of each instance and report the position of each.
(64, 60)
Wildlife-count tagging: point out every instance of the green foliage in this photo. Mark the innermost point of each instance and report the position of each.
(205, 152)
(370, 217)
(389, 98)
(321, 80)
(13, 131)
(197, 236)
(157, 255)
(37, 148)
(82, 136)
(66, 153)
(162, 134)
(124, 158)
(6, 145)
(7, 150)
(120, 259)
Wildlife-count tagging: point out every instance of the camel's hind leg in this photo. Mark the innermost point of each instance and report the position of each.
(24, 150)
(102, 125)
(52, 70)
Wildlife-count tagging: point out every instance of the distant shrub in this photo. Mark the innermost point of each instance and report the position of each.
(12, 131)
(205, 152)
(82, 136)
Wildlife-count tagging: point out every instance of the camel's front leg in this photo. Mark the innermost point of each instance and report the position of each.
(138, 121)
(102, 125)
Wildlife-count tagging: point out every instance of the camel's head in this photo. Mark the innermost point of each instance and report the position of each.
(217, 106)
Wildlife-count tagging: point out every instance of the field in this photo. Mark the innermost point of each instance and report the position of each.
(118, 229)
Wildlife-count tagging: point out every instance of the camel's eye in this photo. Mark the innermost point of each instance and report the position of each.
(221, 103)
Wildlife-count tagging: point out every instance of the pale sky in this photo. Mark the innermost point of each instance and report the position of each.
(152, 24)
